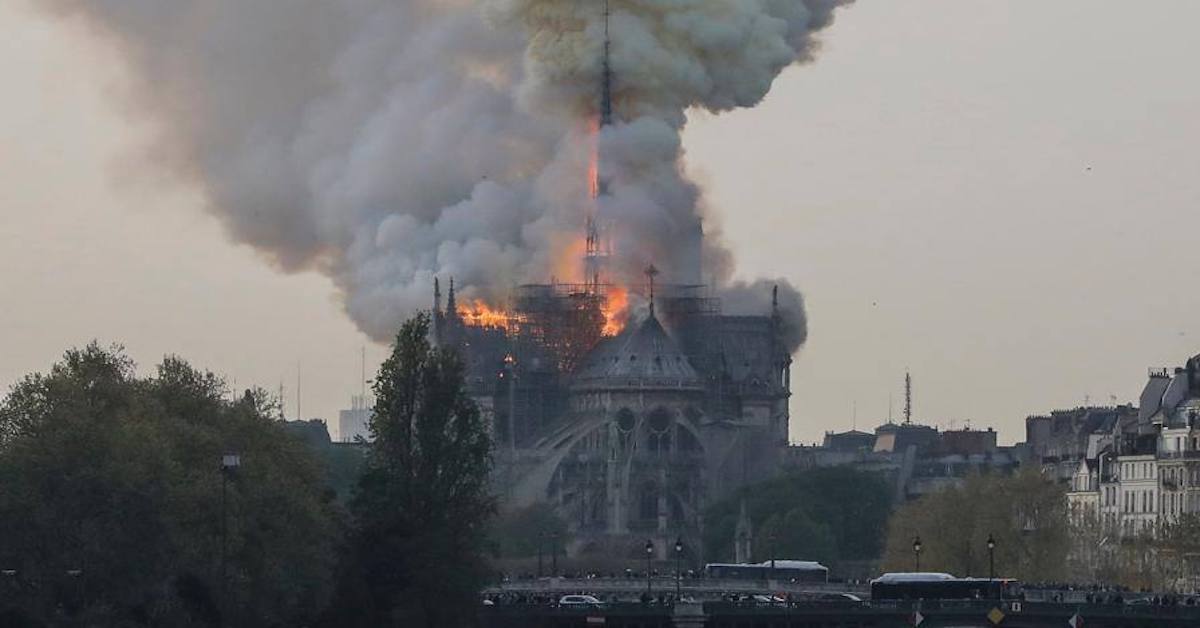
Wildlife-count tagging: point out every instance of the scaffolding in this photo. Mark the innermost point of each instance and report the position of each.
(560, 322)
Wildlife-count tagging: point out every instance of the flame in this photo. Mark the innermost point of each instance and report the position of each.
(568, 262)
(480, 314)
(616, 310)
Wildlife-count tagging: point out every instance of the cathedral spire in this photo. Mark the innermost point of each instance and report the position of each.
(437, 297)
(651, 273)
(606, 109)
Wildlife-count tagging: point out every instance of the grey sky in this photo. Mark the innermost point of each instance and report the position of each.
(926, 183)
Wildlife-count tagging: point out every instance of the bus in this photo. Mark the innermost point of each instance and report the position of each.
(942, 586)
(789, 570)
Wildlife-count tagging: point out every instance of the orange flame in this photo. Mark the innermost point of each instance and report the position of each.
(616, 310)
(567, 262)
(480, 314)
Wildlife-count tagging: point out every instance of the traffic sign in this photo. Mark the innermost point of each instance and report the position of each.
(995, 616)
(917, 618)
(1075, 621)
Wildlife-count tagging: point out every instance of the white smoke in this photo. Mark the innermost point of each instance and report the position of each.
(386, 142)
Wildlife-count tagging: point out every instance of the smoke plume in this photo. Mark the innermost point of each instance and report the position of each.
(383, 143)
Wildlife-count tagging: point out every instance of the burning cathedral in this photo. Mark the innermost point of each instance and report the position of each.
(628, 406)
(630, 381)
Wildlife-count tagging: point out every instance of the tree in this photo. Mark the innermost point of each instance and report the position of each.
(342, 462)
(523, 532)
(112, 494)
(795, 535)
(422, 505)
(1025, 514)
(832, 514)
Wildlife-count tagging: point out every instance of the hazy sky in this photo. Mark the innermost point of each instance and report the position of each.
(1002, 196)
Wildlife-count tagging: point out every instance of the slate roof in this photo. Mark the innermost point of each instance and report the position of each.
(643, 355)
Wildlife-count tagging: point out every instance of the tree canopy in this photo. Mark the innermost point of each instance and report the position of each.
(524, 532)
(422, 505)
(1024, 513)
(112, 500)
(825, 514)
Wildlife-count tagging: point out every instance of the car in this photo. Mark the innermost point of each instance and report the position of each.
(580, 600)
(839, 597)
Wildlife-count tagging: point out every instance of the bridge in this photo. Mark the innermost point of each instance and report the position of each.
(819, 614)
(704, 603)
(703, 588)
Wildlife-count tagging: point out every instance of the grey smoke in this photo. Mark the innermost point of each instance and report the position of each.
(383, 143)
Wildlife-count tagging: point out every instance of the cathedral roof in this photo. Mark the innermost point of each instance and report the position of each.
(642, 356)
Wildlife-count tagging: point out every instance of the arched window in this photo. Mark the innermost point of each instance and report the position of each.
(625, 420)
(658, 430)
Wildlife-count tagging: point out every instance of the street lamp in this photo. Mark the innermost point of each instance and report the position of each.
(991, 543)
(229, 465)
(649, 555)
(554, 555)
(917, 551)
(773, 538)
(678, 569)
(541, 541)
(77, 575)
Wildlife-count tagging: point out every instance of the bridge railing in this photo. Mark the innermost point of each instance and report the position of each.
(665, 584)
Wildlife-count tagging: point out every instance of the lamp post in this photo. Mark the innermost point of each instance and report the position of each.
(229, 465)
(678, 569)
(991, 543)
(917, 552)
(541, 540)
(77, 575)
(773, 539)
(10, 584)
(649, 555)
(554, 555)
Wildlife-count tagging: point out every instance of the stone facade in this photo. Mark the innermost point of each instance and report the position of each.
(1132, 469)
(633, 439)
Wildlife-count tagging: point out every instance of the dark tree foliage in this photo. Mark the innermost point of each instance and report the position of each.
(520, 533)
(342, 462)
(111, 501)
(827, 514)
(422, 505)
(1024, 513)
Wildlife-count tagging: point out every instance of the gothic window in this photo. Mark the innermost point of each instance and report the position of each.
(625, 425)
(660, 419)
(658, 433)
(625, 420)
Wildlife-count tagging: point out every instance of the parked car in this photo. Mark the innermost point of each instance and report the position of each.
(839, 597)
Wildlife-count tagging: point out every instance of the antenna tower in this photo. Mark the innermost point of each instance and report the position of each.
(907, 398)
(299, 416)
